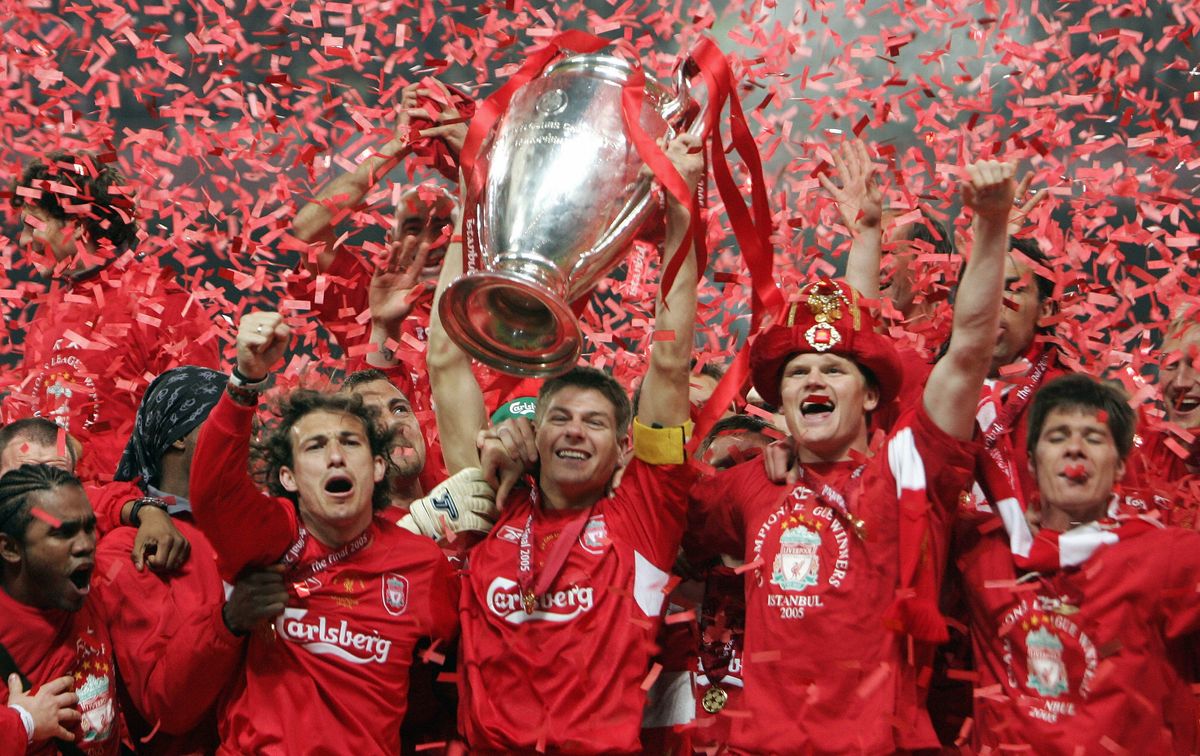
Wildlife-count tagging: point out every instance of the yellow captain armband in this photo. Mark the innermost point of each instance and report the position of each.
(661, 446)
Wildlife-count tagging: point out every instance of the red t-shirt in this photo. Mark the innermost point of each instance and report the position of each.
(172, 646)
(332, 676)
(94, 345)
(47, 644)
(1080, 660)
(819, 664)
(568, 676)
(13, 735)
(108, 499)
(1157, 467)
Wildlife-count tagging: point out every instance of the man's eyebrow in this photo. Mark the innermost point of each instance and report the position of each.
(82, 522)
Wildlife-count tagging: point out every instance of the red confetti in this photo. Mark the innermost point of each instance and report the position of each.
(45, 517)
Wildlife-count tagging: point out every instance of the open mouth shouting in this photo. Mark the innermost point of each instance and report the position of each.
(816, 407)
(1185, 403)
(339, 486)
(81, 578)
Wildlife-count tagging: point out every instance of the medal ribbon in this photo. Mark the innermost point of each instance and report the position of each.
(1019, 400)
(724, 589)
(532, 583)
(829, 496)
(292, 557)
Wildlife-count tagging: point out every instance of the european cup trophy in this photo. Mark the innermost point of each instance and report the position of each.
(563, 197)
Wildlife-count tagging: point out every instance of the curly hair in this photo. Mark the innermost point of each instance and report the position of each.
(102, 213)
(15, 488)
(273, 450)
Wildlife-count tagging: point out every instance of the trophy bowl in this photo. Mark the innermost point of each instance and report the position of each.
(564, 195)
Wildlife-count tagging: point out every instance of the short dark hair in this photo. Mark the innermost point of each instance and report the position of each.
(581, 376)
(104, 214)
(1083, 392)
(15, 489)
(366, 375)
(274, 450)
(1030, 249)
(740, 424)
(931, 231)
(36, 429)
(711, 369)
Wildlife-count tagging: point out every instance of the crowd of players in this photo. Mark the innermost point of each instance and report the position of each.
(943, 542)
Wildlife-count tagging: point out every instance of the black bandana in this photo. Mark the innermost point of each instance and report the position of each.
(174, 405)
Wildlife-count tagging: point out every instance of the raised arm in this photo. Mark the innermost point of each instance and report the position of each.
(861, 203)
(245, 526)
(457, 398)
(397, 283)
(952, 391)
(315, 221)
(664, 399)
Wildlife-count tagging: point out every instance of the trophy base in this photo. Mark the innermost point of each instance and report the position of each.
(512, 324)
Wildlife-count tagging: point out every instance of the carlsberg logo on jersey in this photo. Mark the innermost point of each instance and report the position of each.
(320, 637)
(504, 600)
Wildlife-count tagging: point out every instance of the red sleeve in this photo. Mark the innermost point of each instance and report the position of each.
(651, 508)
(13, 736)
(716, 524)
(108, 499)
(441, 621)
(338, 296)
(949, 463)
(1180, 592)
(245, 526)
(170, 642)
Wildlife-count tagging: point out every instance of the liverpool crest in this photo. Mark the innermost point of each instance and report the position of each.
(395, 593)
(797, 565)
(1047, 673)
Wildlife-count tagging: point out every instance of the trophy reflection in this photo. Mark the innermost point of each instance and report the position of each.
(564, 195)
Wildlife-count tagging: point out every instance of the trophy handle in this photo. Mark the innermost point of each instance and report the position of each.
(684, 112)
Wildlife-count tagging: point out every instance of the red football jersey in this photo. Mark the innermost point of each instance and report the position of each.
(819, 665)
(172, 646)
(568, 675)
(331, 676)
(1155, 466)
(47, 644)
(1085, 660)
(93, 346)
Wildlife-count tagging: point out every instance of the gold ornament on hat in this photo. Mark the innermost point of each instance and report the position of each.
(825, 301)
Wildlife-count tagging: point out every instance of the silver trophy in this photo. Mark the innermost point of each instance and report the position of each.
(563, 198)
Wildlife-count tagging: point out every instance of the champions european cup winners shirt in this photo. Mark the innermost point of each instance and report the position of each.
(567, 678)
(47, 644)
(94, 345)
(330, 675)
(1086, 660)
(821, 671)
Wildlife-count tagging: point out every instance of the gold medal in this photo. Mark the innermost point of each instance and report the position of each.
(860, 527)
(714, 700)
(529, 601)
